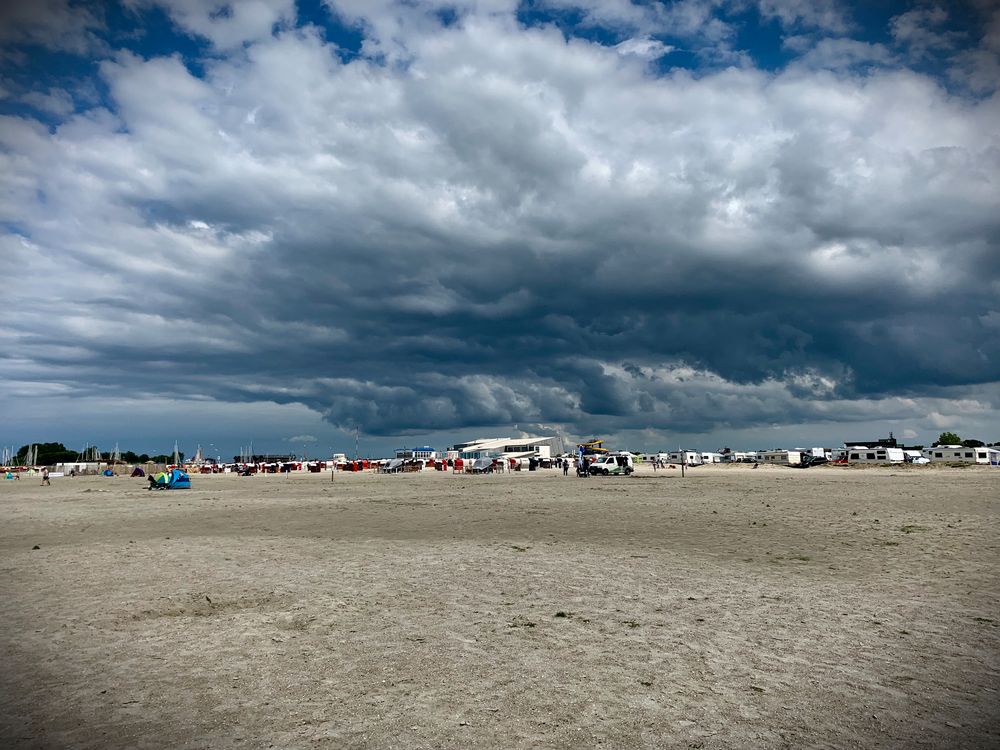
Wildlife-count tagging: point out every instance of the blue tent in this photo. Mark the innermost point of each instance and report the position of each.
(179, 480)
(175, 479)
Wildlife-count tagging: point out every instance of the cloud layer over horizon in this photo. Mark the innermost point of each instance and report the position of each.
(490, 213)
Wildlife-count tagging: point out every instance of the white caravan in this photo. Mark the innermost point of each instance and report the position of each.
(780, 457)
(689, 458)
(859, 454)
(959, 453)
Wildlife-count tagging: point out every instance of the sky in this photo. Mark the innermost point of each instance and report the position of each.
(743, 223)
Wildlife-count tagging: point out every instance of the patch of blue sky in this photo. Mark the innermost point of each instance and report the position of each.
(12, 227)
(150, 33)
(760, 39)
(348, 38)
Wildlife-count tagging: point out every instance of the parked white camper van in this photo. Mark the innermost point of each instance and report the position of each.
(613, 463)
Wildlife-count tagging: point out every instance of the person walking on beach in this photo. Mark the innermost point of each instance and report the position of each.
(565, 463)
(45, 477)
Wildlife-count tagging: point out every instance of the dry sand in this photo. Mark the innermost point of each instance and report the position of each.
(734, 608)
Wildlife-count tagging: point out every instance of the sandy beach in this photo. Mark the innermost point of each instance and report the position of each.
(733, 608)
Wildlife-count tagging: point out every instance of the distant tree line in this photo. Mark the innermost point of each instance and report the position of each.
(951, 438)
(57, 453)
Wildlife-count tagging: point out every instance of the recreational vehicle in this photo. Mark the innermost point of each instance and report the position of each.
(780, 457)
(962, 454)
(859, 454)
(690, 458)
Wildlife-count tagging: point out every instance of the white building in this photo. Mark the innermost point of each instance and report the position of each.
(517, 448)
(710, 457)
(962, 454)
(81, 467)
(425, 452)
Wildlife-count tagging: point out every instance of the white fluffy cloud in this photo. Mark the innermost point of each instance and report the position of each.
(824, 15)
(482, 223)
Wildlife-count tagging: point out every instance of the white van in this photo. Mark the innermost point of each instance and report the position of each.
(613, 463)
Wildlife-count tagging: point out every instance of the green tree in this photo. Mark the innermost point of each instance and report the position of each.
(48, 453)
(973, 443)
(167, 458)
(948, 438)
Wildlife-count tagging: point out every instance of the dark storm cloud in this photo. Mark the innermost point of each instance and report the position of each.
(502, 225)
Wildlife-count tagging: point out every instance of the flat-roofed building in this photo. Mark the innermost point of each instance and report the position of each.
(506, 447)
(424, 452)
